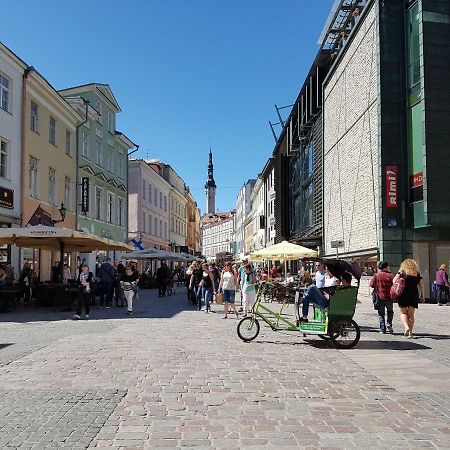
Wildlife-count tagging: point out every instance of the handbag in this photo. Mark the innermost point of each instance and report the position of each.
(375, 297)
(219, 298)
(398, 286)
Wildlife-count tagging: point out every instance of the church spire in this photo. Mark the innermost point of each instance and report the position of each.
(210, 187)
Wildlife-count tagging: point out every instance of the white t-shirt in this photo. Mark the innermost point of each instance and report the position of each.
(330, 281)
(228, 281)
(320, 279)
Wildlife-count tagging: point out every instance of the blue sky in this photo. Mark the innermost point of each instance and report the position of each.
(187, 73)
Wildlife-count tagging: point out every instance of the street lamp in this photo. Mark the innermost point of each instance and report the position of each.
(62, 212)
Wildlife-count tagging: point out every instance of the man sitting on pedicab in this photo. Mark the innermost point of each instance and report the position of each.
(314, 295)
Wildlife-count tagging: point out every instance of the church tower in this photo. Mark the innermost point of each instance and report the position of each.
(210, 187)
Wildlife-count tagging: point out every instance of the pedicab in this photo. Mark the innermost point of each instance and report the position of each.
(334, 323)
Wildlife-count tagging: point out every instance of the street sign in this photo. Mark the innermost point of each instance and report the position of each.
(85, 194)
(337, 244)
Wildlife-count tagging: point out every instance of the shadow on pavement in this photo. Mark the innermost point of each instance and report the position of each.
(391, 345)
(149, 306)
(5, 345)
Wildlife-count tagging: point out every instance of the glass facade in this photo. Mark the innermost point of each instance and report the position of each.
(416, 147)
(302, 190)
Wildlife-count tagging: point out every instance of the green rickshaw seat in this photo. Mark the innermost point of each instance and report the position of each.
(343, 302)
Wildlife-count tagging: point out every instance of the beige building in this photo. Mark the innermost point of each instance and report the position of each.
(193, 223)
(49, 165)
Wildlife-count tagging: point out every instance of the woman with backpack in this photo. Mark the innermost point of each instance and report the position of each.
(408, 298)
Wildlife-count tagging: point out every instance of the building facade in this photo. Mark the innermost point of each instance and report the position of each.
(258, 201)
(386, 139)
(218, 236)
(268, 177)
(193, 223)
(50, 163)
(148, 218)
(11, 102)
(102, 165)
(243, 209)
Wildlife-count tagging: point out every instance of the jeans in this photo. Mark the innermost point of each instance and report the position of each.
(313, 295)
(107, 288)
(129, 299)
(84, 298)
(387, 305)
(206, 296)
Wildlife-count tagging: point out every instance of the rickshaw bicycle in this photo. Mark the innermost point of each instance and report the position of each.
(334, 323)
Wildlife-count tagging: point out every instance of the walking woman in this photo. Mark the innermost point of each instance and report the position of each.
(248, 289)
(228, 284)
(127, 282)
(85, 291)
(207, 285)
(442, 283)
(408, 301)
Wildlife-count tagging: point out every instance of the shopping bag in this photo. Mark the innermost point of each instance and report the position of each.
(219, 298)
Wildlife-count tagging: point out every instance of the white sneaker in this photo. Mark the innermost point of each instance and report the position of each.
(76, 317)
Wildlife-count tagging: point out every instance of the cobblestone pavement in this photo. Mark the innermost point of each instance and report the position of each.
(172, 377)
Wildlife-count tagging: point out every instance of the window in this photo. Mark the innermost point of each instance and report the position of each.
(120, 212)
(143, 190)
(160, 200)
(52, 131)
(156, 197)
(109, 210)
(160, 228)
(98, 203)
(156, 226)
(98, 157)
(52, 186)
(3, 159)
(165, 230)
(67, 192)
(413, 44)
(34, 122)
(4, 93)
(109, 161)
(98, 108)
(33, 177)
(68, 139)
(150, 193)
(110, 126)
(150, 223)
(120, 164)
(143, 221)
(165, 203)
(84, 144)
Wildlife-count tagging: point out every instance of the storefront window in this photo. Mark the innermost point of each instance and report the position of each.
(413, 46)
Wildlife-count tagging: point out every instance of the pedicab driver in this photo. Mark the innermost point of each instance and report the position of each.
(314, 295)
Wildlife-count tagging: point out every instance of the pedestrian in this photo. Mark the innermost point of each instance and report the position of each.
(408, 300)
(441, 281)
(67, 274)
(162, 276)
(107, 275)
(381, 284)
(330, 280)
(241, 276)
(216, 274)
(56, 272)
(119, 297)
(207, 285)
(128, 282)
(85, 278)
(26, 277)
(248, 289)
(319, 278)
(228, 284)
(194, 285)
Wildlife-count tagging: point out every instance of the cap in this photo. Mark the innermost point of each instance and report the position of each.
(382, 265)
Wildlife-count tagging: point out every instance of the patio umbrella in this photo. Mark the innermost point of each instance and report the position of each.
(58, 238)
(284, 251)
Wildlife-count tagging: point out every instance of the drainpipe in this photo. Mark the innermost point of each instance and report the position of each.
(77, 134)
(23, 140)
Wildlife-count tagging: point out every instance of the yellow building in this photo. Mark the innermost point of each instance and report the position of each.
(193, 227)
(49, 163)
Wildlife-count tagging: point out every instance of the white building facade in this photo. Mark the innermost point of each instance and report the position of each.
(243, 208)
(257, 198)
(11, 103)
(148, 214)
(218, 236)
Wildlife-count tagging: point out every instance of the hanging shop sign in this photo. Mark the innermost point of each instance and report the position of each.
(85, 194)
(416, 180)
(6, 198)
(391, 186)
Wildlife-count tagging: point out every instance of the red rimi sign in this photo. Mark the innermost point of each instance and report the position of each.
(391, 187)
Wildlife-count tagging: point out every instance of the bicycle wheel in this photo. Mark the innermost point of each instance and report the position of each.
(248, 329)
(345, 333)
